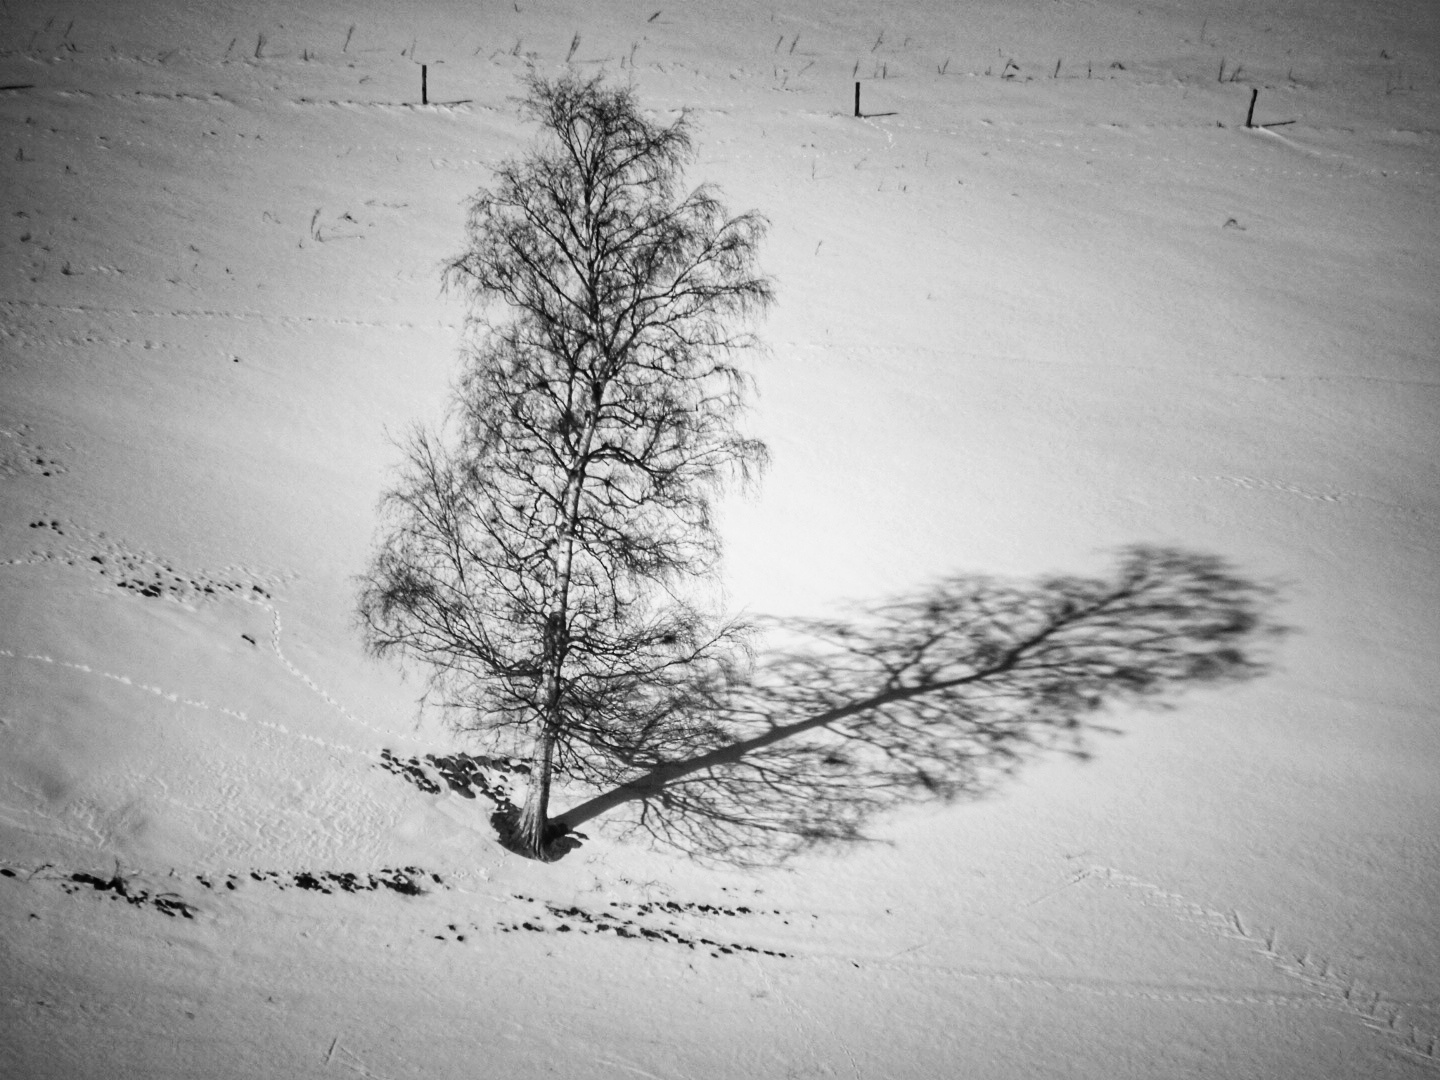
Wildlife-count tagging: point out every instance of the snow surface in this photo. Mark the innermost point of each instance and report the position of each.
(1022, 321)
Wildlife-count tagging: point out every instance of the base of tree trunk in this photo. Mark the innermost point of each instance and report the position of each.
(558, 840)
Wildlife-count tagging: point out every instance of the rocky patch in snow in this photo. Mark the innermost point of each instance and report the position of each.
(464, 774)
(653, 921)
(121, 888)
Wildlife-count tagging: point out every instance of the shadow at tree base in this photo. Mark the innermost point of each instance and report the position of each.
(935, 696)
(560, 839)
(471, 775)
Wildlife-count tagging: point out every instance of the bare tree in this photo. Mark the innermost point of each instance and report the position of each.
(537, 556)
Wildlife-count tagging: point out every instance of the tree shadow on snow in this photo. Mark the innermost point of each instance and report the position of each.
(934, 696)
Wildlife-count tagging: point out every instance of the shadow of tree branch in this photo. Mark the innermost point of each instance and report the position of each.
(937, 695)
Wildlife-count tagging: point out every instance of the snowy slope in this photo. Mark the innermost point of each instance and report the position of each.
(1026, 315)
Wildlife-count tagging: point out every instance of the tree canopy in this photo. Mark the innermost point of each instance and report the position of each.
(537, 554)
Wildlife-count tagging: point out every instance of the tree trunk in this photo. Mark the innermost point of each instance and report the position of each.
(534, 823)
(531, 830)
(534, 820)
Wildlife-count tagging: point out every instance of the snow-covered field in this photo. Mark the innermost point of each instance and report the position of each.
(1047, 298)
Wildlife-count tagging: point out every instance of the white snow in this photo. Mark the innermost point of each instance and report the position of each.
(1022, 321)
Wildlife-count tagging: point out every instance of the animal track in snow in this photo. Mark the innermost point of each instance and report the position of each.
(189, 314)
(177, 698)
(157, 584)
(889, 136)
(202, 797)
(206, 789)
(27, 337)
(125, 680)
(1330, 985)
(904, 358)
(394, 106)
(1251, 483)
(276, 631)
(1080, 140)
(149, 576)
